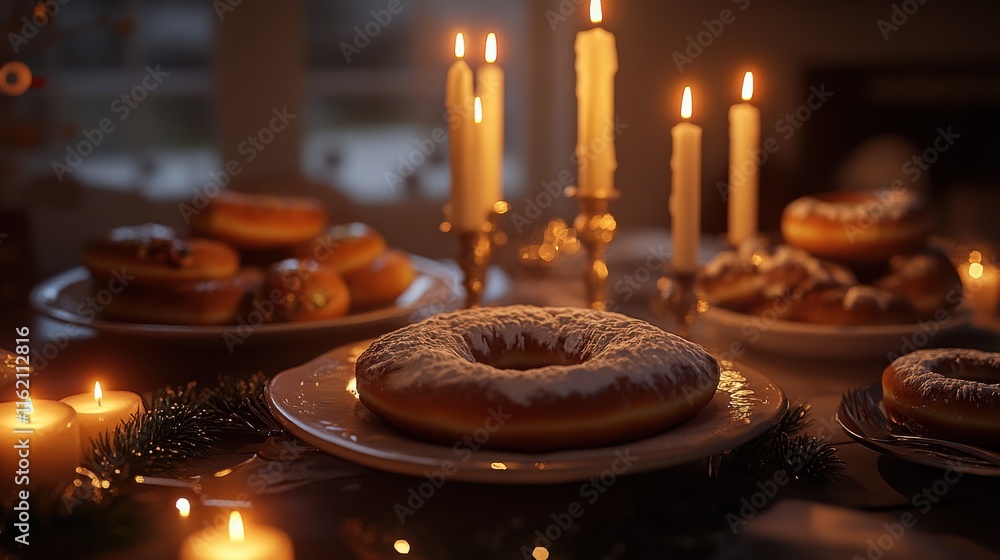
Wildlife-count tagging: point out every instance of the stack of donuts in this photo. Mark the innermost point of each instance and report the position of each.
(848, 259)
(245, 252)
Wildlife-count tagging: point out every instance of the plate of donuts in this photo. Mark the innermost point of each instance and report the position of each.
(319, 402)
(792, 338)
(77, 297)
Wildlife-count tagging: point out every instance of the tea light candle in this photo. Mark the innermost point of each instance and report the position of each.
(685, 189)
(102, 411)
(253, 542)
(596, 66)
(744, 171)
(39, 448)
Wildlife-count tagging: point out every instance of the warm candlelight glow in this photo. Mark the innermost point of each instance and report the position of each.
(401, 546)
(976, 270)
(98, 393)
(491, 48)
(596, 12)
(478, 113)
(236, 533)
(183, 507)
(975, 257)
(686, 103)
(460, 46)
(747, 86)
(540, 553)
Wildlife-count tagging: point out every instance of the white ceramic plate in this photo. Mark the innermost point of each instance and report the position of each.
(433, 290)
(317, 403)
(721, 327)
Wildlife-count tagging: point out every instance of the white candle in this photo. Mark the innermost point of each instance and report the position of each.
(252, 542)
(101, 411)
(40, 455)
(744, 143)
(458, 102)
(685, 191)
(596, 66)
(490, 152)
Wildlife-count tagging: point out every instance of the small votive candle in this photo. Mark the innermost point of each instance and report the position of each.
(39, 449)
(102, 411)
(252, 542)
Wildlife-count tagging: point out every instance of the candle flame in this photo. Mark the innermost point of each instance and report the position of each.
(478, 112)
(98, 393)
(686, 103)
(975, 257)
(976, 270)
(491, 48)
(459, 46)
(183, 507)
(747, 86)
(596, 12)
(236, 533)
(401, 546)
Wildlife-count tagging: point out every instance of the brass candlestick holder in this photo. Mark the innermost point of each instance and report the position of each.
(678, 298)
(595, 228)
(475, 249)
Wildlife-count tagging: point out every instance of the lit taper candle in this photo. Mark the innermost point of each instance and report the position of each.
(596, 67)
(685, 189)
(744, 172)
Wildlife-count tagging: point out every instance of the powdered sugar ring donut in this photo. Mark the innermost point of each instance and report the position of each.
(857, 226)
(535, 379)
(947, 393)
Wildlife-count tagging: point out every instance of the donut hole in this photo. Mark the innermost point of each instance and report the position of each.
(525, 361)
(531, 356)
(968, 370)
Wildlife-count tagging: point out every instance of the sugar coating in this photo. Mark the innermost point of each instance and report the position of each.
(615, 350)
(859, 295)
(936, 374)
(884, 205)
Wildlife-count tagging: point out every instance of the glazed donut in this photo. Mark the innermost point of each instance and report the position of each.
(345, 248)
(946, 393)
(381, 281)
(539, 379)
(852, 305)
(211, 302)
(249, 221)
(302, 290)
(862, 227)
(928, 280)
(153, 254)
